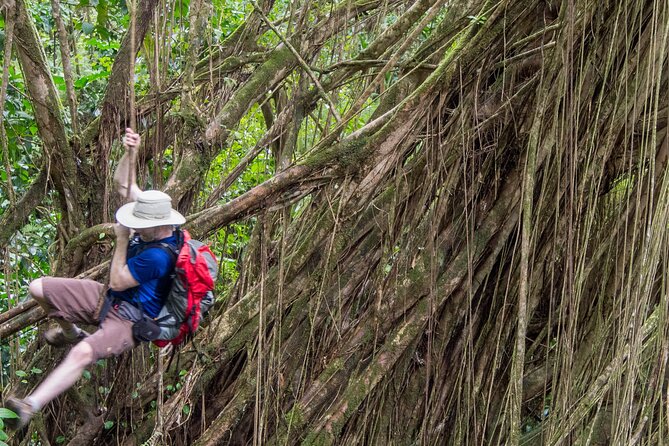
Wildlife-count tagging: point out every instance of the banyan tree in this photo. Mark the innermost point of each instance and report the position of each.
(455, 216)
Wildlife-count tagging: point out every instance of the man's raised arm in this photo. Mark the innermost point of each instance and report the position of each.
(126, 171)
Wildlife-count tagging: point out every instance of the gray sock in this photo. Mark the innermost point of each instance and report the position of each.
(71, 333)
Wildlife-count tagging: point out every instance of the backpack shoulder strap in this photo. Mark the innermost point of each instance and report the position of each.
(179, 236)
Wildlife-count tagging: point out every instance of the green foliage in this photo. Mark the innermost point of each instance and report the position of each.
(4, 414)
(228, 15)
(250, 130)
(23, 143)
(27, 258)
(236, 236)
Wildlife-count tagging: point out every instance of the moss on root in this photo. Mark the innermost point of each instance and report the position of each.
(347, 154)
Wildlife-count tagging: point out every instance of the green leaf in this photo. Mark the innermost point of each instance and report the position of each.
(6, 413)
(103, 13)
(87, 374)
(21, 373)
(3, 436)
(36, 371)
(186, 409)
(87, 28)
(60, 439)
(84, 80)
(109, 424)
(104, 32)
(59, 81)
(21, 114)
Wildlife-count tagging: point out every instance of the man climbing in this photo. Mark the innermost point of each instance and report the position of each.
(139, 275)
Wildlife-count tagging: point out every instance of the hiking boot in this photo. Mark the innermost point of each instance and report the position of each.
(57, 338)
(22, 409)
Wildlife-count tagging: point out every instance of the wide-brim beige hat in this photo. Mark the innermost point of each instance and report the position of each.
(152, 208)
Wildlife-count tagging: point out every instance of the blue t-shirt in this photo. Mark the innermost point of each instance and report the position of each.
(152, 268)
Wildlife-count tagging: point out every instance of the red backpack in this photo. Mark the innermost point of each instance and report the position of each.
(191, 294)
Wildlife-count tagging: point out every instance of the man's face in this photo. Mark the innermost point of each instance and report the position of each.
(156, 233)
(147, 234)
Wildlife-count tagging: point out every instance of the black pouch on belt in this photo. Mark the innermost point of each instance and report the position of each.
(145, 329)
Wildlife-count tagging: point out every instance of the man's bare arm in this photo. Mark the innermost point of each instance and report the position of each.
(120, 277)
(126, 171)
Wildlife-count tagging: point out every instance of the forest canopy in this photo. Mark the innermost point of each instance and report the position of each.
(437, 222)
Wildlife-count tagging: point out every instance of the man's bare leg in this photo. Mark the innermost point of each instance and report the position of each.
(63, 376)
(57, 382)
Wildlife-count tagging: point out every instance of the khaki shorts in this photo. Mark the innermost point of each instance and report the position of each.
(76, 301)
